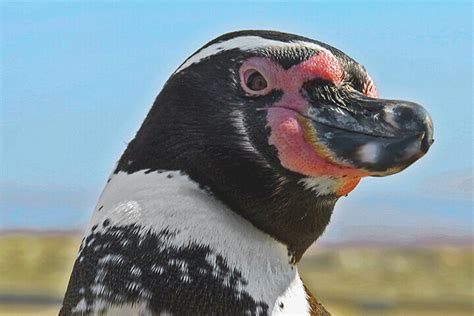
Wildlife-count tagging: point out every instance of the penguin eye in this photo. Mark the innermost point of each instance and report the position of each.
(255, 80)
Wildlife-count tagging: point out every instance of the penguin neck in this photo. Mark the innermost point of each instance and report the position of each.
(276, 203)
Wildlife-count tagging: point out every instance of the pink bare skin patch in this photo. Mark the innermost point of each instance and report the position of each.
(297, 154)
(323, 65)
(294, 151)
(297, 149)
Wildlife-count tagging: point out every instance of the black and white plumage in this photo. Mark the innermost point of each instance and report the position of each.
(233, 175)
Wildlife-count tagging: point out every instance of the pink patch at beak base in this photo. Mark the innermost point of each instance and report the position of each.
(323, 65)
(297, 154)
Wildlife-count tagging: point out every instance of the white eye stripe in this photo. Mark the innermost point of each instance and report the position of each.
(245, 43)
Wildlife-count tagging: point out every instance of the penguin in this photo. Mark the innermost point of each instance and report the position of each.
(233, 174)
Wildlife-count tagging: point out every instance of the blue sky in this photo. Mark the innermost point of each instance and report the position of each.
(78, 78)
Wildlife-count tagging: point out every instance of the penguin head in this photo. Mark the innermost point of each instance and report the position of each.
(275, 123)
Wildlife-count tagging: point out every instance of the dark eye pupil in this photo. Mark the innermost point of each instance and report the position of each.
(256, 82)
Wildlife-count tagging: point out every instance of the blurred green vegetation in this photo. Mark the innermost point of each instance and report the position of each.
(349, 281)
(393, 281)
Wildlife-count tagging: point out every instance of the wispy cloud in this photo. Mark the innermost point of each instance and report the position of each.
(453, 183)
(43, 196)
(402, 217)
(440, 208)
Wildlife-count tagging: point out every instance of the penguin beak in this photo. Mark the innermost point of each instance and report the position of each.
(380, 137)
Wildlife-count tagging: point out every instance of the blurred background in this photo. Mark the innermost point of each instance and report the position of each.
(77, 79)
